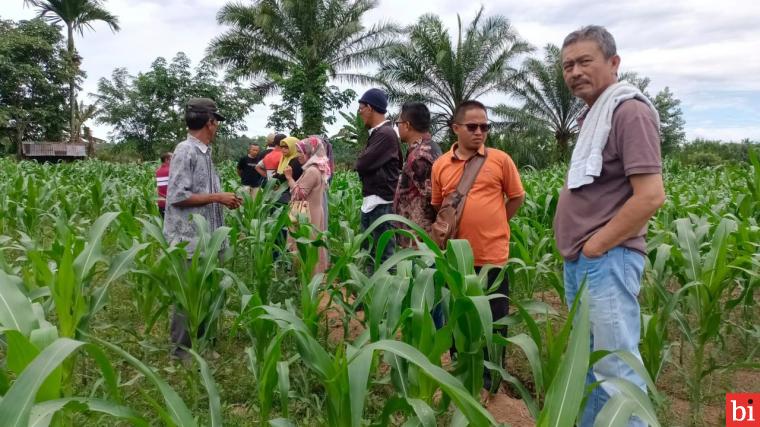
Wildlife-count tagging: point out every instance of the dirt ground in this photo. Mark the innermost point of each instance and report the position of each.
(509, 411)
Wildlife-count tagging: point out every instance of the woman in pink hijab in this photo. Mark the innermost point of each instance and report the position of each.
(312, 184)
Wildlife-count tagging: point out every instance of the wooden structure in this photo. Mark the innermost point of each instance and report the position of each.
(53, 151)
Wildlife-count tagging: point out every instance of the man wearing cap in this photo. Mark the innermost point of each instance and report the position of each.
(194, 188)
(379, 164)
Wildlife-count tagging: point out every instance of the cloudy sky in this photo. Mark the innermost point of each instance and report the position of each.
(706, 51)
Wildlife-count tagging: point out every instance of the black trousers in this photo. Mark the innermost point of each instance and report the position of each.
(500, 306)
(366, 221)
(499, 309)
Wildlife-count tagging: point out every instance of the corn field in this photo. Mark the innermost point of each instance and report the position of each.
(88, 282)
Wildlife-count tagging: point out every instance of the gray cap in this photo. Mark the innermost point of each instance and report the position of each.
(204, 105)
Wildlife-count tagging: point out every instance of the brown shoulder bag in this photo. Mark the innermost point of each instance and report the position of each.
(447, 220)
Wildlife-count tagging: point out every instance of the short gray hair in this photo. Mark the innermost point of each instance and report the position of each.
(595, 33)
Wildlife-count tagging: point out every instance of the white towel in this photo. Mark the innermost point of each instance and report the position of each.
(586, 162)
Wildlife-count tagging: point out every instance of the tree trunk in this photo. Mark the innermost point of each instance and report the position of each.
(563, 142)
(20, 140)
(90, 142)
(312, 114)
(312, 102)
(73, 131)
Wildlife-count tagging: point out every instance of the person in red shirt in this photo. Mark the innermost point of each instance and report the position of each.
(162, 181)
(270, 158)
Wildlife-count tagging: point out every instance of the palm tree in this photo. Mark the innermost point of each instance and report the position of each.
(433, 68)
(83, 114)
(295, 46)
(548, 104)
(77, 15)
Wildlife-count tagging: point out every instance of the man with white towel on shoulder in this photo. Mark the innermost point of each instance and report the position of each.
(614, 186)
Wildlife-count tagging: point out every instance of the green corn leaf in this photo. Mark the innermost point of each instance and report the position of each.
(358, 375)
(565, 394)
(529, 347)
(616, 412)
(423, 411)
(21, 352)
(283, 383)
(459, 254)
(715, 264)
(15, 308)
(470, 407)
(635, 364)
(687, 241)
(175, 406)
(16, 406)
(92, 249)
(42, 413)
(214, 400)
(120, 265)
(642, 406)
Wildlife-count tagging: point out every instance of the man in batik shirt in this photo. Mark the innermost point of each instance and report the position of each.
(412, 198)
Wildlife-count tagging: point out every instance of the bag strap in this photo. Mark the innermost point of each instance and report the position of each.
(458, 197)
(471, 171)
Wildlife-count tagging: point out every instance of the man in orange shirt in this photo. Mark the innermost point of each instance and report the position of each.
(494, 198)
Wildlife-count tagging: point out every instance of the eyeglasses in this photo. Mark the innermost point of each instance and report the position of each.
(472, 127)
(400, 121)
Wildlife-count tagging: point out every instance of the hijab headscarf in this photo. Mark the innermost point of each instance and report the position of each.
(292, 153)
(314, 149)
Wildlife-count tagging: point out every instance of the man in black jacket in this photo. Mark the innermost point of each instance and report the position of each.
(378, 165)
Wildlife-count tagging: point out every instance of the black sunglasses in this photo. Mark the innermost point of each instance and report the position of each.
(472, 127)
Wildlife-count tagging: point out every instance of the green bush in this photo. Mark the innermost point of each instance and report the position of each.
(701, 152)
(345, 153)
(539, 152)
(703, 159)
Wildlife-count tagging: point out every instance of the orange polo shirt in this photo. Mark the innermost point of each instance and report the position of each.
(484, 218)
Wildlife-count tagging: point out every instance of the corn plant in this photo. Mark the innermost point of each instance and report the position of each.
(709, 277)
(345, 374)
(148, 295)
(559, 363)
(255, 233)
(197, 285)
(751, 204)
(308, 242)
(18, 406)
(77, 287)
(467, 307)
(662, 307)
(36, 355)
(533, 259)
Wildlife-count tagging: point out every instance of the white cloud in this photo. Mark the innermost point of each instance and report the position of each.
(705, 51)
(734, 134)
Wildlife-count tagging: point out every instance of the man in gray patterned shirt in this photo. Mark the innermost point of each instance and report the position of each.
(194, 188)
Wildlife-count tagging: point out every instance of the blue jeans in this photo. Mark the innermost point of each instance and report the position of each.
(613, 282)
